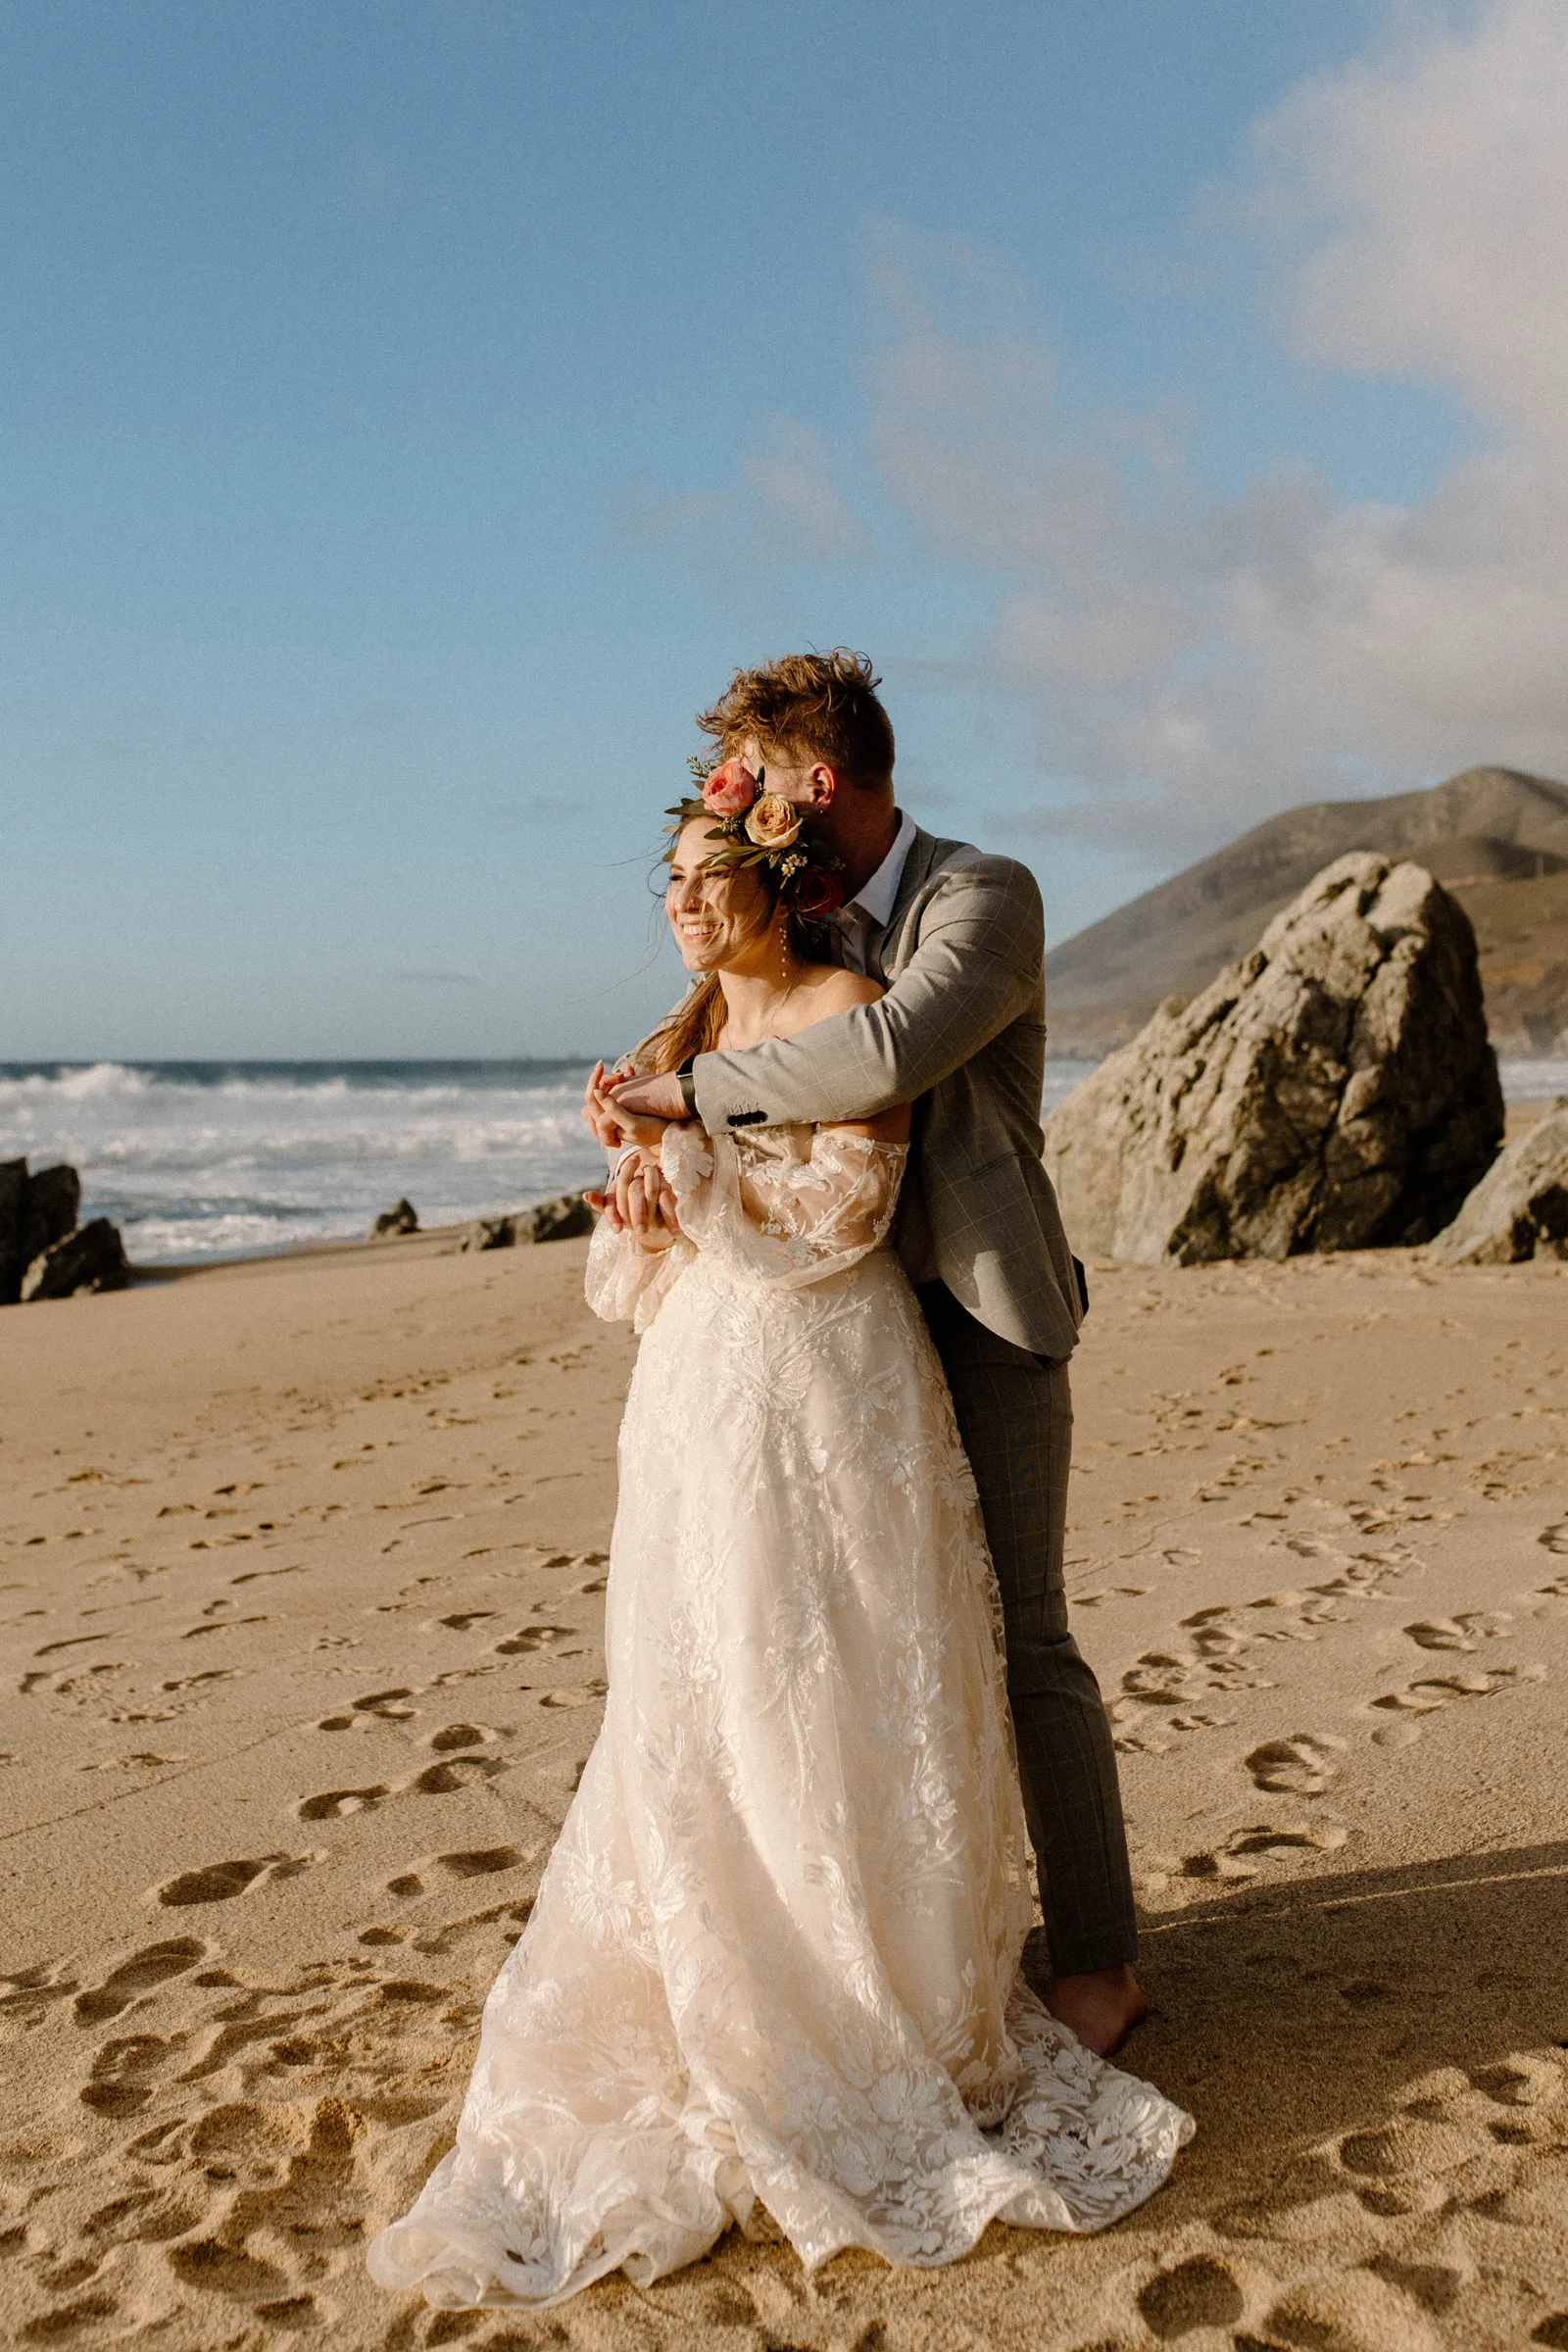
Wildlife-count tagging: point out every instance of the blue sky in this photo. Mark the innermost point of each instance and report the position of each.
(411, 413)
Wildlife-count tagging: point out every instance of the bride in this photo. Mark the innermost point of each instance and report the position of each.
(773, 1967)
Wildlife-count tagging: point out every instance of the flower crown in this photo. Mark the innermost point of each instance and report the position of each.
(758, 828)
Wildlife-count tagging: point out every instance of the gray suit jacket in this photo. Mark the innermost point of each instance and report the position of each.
(961, 1034)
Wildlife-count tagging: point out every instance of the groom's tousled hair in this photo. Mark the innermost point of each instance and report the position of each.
(807, 708)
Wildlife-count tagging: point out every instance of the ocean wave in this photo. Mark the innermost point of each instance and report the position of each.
(222, 1150)
(103, 1081)
(271, 1083)
(204, 1160)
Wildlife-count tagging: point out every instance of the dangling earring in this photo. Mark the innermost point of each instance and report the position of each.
(784, 952)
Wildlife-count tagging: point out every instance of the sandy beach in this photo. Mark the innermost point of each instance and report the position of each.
(303, 1566)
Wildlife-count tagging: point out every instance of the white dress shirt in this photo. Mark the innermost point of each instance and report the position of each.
(872, 904)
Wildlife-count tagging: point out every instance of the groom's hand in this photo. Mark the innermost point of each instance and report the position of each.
(657, 1097)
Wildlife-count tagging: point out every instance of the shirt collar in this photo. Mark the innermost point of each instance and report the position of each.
(875, 898)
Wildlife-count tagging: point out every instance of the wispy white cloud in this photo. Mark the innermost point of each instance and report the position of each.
(1197, 661)
(785, 506)
(1200, 662)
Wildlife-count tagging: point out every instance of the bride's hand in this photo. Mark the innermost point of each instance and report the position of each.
(646, 1202)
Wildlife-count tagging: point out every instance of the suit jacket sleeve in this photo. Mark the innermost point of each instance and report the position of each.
(975, 968)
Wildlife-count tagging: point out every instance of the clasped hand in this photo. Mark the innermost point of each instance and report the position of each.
(634, 1112)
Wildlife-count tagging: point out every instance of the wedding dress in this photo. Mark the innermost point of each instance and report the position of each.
(773, 1962)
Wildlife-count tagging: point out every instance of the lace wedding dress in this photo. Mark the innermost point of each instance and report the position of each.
(774, 1959)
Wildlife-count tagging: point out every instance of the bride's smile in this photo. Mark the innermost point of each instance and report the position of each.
(721, 922)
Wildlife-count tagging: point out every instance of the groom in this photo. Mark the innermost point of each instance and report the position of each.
(957, 937)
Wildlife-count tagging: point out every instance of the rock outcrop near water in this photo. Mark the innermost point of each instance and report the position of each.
(92, 1258)
(35, 1213)
(1520, 1207)
(562, 1220)
(1333, 1089)
(401, 1217)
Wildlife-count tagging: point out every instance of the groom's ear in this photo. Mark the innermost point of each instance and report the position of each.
(820, 785)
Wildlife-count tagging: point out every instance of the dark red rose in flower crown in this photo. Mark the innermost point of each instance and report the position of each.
(817, 893)
(730, 789)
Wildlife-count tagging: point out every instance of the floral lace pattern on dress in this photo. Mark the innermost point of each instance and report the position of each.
(774, 1956)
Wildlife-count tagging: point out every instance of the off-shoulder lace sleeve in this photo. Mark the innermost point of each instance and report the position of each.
(627, 1284)
(779, 1215)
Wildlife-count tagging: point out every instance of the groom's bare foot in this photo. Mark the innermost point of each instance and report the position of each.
(1101, 2008)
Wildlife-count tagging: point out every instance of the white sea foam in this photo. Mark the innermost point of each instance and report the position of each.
(196, 1163)
(199, 1161)
(1534, 1081)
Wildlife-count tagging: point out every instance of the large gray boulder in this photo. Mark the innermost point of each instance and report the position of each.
(1520, 1207)
(564, 1220)
(35, 1213)
(93, 1259)
(1334, 1090)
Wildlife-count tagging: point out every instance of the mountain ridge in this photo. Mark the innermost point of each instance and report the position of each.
(1496, 837)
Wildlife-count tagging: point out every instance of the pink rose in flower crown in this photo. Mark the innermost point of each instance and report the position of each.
(729, 790)
(774, 822)
(817, 893)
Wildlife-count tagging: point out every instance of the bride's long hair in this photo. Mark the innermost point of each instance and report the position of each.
(692, 1028)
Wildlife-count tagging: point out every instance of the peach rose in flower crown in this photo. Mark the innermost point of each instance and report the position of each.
(774, 822)
(729, 790)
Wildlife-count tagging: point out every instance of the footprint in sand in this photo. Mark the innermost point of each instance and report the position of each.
(154, 1965)
(475, 1862)
(1555, 1539)
(334, 1804)
(378, 1706)
(245, 2142)
(1453, 2144)
(147, 2216)
(120, 2081)
(583, 1694)
(221, 1882)
(481, 1862)
(1198, 2293)
(1464, 1633)
(1429, 1693)
(1242, 1854)
(1301, 1766)
(388, 1704)
(456, 1772)
(532, 1638)
(32, 1993)
(458, 1769)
